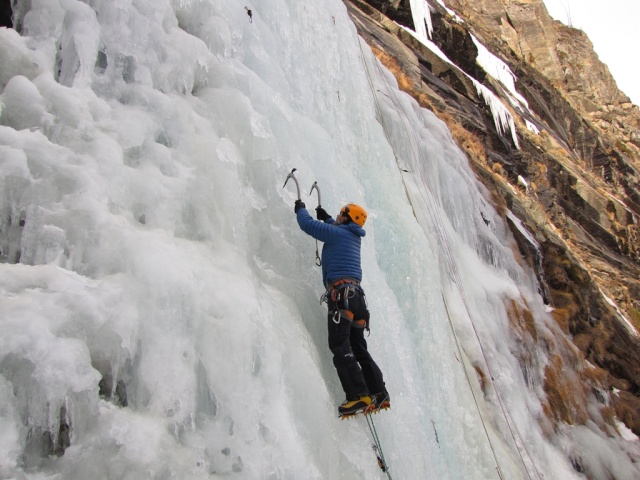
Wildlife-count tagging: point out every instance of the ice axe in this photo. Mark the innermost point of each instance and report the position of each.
(317, 189)
(291, 175)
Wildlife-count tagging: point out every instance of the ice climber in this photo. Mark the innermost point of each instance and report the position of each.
(348, 315)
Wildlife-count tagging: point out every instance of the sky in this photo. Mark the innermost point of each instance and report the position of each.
(614, 32)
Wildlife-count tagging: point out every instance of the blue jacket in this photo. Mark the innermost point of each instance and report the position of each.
(341, 250)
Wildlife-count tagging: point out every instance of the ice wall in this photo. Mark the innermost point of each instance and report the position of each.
(158, 304)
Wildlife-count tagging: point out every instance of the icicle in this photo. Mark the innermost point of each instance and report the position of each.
(501, 116)
(498, 70)
(532, 127)
(421, 17)
(625, 321)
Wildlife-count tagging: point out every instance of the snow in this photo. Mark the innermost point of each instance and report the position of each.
(450, 12)
(626, 433)
(429, 44)
(523, 231)
(532, 127)
(623, 319)
(158, 300)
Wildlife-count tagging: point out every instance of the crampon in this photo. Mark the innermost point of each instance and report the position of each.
(364, 411)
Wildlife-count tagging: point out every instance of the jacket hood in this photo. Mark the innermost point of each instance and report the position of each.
(355, 229)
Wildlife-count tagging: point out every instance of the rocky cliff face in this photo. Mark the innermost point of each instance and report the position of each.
(578, 159)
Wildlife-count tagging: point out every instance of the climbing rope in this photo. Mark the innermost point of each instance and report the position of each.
(377, 448)
(473, 393)
(411, 137)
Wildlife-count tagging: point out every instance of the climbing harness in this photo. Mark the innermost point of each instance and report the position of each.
(317, 189)
(340, 292)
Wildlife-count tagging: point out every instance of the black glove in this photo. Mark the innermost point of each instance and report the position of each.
(298, 205)
(321, 214)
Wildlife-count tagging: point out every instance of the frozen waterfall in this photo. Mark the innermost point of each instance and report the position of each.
(159, 313)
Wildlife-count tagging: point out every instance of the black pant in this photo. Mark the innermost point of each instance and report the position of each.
(358, 372)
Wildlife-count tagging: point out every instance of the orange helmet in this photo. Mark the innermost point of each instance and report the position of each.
(355, 212)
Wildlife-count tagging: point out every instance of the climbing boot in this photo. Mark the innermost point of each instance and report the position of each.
(382, 401)
(362, 404)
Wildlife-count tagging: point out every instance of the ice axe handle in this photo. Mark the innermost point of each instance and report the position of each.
(315, 186)
(291, 175)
